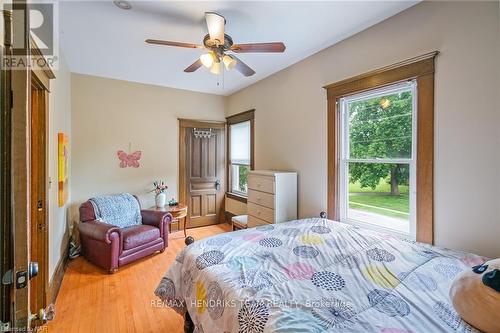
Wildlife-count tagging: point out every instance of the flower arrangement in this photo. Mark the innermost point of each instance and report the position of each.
(159, 187)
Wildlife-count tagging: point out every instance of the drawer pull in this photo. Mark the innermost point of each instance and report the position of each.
(258, 184)
(258, 213)
(258, 199)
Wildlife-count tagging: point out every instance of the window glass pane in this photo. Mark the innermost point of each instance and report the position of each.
(380, 126)
(239, 178)
(240, 143)
(379, 194)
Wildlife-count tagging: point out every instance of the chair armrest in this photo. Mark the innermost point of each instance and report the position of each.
(155, 218)
(96, 230)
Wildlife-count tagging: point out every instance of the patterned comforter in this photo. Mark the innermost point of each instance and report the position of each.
(315, 275)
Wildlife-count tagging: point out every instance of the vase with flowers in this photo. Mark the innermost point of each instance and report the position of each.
(159, 188)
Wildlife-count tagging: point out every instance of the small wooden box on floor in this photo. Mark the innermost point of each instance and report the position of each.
(272, 197)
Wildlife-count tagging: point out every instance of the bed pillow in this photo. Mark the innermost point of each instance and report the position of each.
(476, 296)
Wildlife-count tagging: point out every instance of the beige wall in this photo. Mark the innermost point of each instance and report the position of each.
(59, 121)
(107, 114)
(290, 117)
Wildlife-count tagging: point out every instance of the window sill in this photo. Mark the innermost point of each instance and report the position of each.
(236, 197)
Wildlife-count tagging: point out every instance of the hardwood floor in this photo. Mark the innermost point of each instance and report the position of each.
(91, 300)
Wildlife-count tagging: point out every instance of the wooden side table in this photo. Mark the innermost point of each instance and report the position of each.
(179, 212)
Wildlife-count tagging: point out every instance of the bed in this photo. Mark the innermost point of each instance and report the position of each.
(314, 275)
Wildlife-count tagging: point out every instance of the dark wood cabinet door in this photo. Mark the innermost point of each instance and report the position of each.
(205, 158)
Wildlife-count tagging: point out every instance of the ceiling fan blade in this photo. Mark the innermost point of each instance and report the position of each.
(170, 43)
(194, 66)
(215, 25)
(277, 47)
(243, 68)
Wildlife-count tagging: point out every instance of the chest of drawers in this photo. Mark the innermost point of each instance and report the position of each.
(272, 197)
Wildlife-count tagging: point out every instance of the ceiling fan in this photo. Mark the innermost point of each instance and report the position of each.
(218, 45)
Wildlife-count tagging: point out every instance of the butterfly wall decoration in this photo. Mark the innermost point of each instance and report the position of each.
(130, 159)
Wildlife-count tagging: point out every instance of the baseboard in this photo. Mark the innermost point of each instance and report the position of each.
(56, 281)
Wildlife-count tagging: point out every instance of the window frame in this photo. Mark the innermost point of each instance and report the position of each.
(422, 70)
(233, 120)
(345, 159)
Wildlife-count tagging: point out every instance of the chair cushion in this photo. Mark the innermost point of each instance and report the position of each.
(139, 235)
(240, 220)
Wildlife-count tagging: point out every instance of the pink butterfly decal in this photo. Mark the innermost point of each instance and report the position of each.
(129, 160)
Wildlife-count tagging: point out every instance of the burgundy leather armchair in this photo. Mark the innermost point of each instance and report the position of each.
(110, 247)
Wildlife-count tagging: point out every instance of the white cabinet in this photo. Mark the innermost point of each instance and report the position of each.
(272, 197)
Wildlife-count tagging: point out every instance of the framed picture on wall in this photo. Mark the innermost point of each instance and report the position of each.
(62, 174)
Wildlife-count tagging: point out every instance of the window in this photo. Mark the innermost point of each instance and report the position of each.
(377, 158)
(381, 127)
(240, 156)
(240, 152)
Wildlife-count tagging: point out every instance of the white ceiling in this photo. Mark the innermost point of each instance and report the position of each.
(100, 39)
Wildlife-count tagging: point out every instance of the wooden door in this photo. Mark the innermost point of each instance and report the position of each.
(204, 173)
(28, 133)
(38, 196)
(19, 173)
(6, 244)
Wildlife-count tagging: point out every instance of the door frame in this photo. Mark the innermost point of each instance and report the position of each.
(21, 82)
(192, 123)
(39, 234)
(20, 176)
(6, 259)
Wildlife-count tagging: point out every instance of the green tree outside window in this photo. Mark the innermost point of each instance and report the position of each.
(380, 127)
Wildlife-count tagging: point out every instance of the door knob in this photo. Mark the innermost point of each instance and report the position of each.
(217, 184)
(32, 269)
(46, 314)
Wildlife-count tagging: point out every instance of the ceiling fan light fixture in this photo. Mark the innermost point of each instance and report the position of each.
(207, 59)
(122, 4)
(385, 103)
(215, 24)
(216, 68)
(229, 62)
(217, 44)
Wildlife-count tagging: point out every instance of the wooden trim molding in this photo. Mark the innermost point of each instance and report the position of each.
(6, 260)
(20, 173)
(44, 74)
(231, 120)
(401, 71)
(57, 277)
(236, 197)
(241, 117)
(191, 123)
(421, 69)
